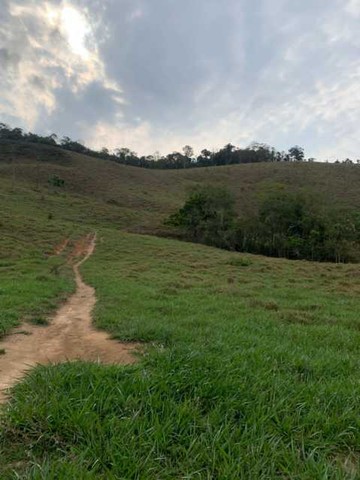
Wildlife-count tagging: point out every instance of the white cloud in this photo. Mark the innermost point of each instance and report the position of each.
(135, 14)
(145, 139)
(46, 46)
(353, 7)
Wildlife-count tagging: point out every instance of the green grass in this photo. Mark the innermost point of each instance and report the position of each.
(250, 366)
(250, 370)
(34, 281)
(40, 321)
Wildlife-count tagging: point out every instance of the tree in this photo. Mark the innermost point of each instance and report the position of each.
(264, 153)
(177, 160)
(127, 156)
(208, 216)
(188, 151)
(205, 158)
(225, 156)
(296, 153)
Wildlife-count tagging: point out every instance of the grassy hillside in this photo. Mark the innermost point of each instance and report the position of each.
(156, 193)
(250, 366)
(33, 223)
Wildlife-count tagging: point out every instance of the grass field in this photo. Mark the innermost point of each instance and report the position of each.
(251, 371)
(33, 222)
(250, 365)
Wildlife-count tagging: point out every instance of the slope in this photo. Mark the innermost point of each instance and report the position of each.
(156, 193)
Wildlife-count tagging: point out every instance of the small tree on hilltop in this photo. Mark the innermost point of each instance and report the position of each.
(296, 154)
(188, 151)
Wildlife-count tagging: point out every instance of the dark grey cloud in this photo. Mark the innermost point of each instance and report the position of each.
(83, 110)
(164, 54)
(8, 59)
(156, 74)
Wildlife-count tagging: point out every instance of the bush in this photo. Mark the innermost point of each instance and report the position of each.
(208, 216)
(56, 181)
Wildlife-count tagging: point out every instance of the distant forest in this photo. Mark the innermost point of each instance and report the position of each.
(228, 155)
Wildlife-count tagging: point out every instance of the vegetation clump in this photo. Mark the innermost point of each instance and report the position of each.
(290, 225)
(56, 181)
(208, 217)
(40, 321)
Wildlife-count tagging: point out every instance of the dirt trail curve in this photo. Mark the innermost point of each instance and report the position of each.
(69, 336)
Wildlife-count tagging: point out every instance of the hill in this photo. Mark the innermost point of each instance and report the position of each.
(156, 193)
(249, 365)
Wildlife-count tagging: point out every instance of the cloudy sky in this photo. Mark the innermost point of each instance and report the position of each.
(154, 75)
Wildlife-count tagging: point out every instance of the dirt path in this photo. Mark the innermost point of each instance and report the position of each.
(69, 336)
(61, 247)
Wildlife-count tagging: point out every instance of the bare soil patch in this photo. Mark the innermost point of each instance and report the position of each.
(61, 247)
(69, 336)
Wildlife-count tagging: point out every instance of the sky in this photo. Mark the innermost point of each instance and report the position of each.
(155, 75)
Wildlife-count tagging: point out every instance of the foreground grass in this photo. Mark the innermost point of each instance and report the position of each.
(33, 223)
(251, 371)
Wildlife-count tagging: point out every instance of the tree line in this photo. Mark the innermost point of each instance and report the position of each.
(287, 224)
(228, 155)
